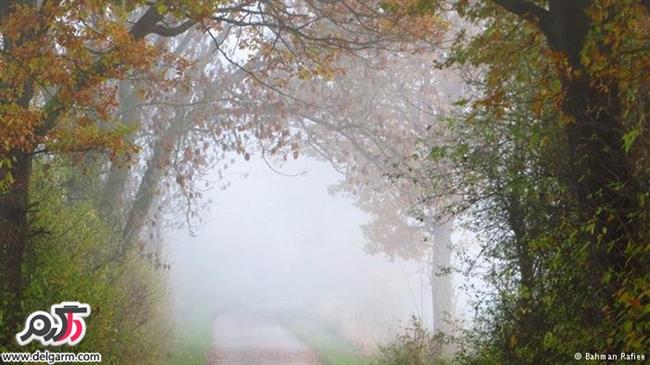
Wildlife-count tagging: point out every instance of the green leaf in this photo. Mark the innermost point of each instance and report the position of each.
(161, 8)
(629, 138)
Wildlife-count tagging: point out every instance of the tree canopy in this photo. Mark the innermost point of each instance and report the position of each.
(522, 121)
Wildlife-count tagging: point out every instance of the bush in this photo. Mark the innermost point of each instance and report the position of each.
(414, 346)
(71, 258)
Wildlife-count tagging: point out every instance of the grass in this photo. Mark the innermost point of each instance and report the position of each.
(332, 349)
(191, 344)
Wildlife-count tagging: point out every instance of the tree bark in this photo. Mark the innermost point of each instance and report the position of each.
(149, 184)
(441, 286)
(13, 239)
(112, 201)
(602, 175)
(603, 182)
(527, 317)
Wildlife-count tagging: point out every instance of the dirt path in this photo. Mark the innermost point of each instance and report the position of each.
(253, 339)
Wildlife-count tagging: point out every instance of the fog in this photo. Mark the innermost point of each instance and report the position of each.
(283, 245)
(324, 182)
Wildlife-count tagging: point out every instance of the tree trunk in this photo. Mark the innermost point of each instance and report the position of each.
(602, 174)
(144, 197)
(13, 240)
(528, 323)
(148, 187)
(603, 183)
(112, 202)
(441, 286)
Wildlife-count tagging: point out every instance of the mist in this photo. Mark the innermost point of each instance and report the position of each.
(278, 244)
(367, 182)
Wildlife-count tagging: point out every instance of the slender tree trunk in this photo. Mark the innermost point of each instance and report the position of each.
(13, 240)
(150, 182)
(112, 201)
(528, 321)
(144, 197)
(441, 285)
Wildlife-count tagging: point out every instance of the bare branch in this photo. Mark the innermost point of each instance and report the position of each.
(525, 9)
(171, 32)
(146, 23)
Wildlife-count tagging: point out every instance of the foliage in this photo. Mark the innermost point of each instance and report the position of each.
(59, 63)
(548, 158)
(70, 259)
(56, 48)
(376, 123)
(551, 167)
(67, 67)
(414, 346)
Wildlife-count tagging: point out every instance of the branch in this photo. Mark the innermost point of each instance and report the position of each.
(524, 9)
(146, 23)
(163, 31)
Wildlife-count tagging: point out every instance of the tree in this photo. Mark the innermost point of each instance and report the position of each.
(555, 79)
(56, 59)
(376, 121)
(62, 66)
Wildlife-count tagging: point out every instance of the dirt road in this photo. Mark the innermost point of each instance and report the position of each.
(245, 338)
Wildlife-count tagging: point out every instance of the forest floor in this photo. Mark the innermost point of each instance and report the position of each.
(243, 338)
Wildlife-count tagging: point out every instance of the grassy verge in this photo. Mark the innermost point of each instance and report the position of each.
(191, 344)
(332, 349)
